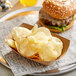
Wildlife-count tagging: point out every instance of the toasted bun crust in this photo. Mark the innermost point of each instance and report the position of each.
(60, 9)
(55, 30)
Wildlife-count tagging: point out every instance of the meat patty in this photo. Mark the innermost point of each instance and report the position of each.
(48, 20)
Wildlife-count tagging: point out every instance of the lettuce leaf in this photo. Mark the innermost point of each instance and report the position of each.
(58, 28)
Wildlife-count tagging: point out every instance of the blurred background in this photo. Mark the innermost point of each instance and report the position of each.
(39, 2)
(7, 6)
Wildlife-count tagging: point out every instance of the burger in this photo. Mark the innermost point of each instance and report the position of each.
(57, 15)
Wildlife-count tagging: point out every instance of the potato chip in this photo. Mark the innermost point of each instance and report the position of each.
(35, 56)
(11, 43)
(58, 45)
(19, 32)
(40, 37)
(51, 50)
(34, 28)
(27, 49)
(75, 17)
(43, 29)
(17, 46)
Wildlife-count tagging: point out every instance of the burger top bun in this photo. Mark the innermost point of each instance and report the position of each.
(60, 9)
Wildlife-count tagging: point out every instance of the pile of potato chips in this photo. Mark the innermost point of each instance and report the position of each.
(37, 43)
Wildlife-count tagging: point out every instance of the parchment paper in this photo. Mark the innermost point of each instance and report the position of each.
(22, 66)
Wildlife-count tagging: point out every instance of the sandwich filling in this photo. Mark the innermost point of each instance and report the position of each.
(59, 24)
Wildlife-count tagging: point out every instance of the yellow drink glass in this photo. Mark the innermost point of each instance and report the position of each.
(28, 2)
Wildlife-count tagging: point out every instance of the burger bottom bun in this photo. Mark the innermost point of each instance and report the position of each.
(55, 30)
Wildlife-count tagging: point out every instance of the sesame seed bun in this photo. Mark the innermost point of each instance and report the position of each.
(55, 30)
(60, 9)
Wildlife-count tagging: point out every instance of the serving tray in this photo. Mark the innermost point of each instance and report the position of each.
(17, 13)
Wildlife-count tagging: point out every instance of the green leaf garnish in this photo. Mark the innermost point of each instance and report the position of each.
(58, 28)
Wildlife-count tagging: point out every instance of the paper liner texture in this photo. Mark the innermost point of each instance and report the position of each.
(22, 66)
(64, 40)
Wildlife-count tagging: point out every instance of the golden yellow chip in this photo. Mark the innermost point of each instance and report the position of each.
(35, 56)
(26, 48)
(19, 33)
(11, 43)
(51, 50)
(45, 30)
(35, 28)
(40, 37)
